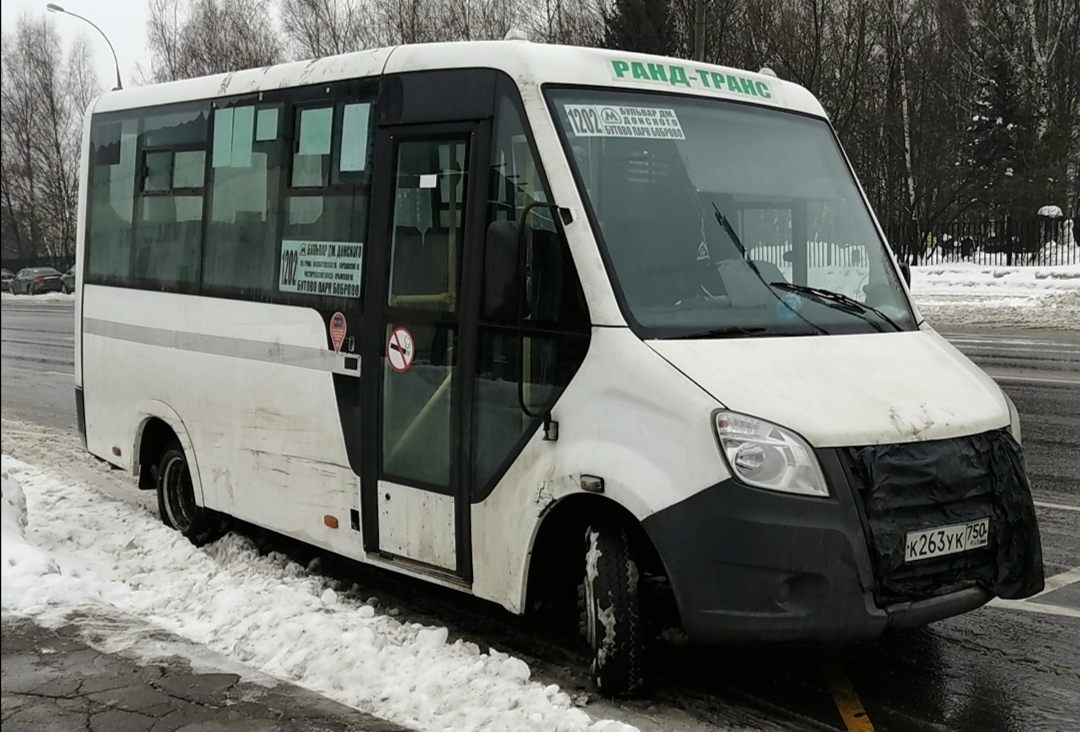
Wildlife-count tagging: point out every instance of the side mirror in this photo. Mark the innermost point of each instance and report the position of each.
(500, 270)
(905, 272)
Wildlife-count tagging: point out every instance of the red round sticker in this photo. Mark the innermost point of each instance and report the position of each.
(337, 331)
(400, 350)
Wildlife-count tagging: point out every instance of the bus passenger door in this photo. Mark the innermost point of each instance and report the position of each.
(414, 503)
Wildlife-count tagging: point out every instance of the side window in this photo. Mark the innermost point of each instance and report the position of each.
(326, 201)
(166, 250)
(556, 331)
(111, 199)
(241, 237)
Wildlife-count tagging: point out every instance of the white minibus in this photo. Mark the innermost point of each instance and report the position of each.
(545, 325)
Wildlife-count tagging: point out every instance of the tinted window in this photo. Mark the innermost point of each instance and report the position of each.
(326, 203)
(111, 199)
(288, 191)
(168, 232)
(146, 197)
(241, 237)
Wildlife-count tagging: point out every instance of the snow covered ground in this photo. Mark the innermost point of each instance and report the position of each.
(44, 297)
(68, 549)
(78, 539)
(974, 295)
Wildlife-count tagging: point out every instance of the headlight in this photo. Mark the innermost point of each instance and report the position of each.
(766, 455)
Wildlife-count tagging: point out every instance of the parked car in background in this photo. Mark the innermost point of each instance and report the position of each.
(36, 280)
(7, 278)
(67, 280)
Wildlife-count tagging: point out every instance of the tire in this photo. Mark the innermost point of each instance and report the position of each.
(613, 624)
(65, 289)
(176, 500)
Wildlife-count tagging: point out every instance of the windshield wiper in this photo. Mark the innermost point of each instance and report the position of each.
(840, 301)
(733, 330)
(730, 231)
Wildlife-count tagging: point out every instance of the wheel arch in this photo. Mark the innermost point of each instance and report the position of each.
(557, 549)
(159, 424)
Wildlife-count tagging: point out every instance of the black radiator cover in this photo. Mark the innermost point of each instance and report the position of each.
(920, 485)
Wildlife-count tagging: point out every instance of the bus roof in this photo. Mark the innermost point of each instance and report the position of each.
(528, 63)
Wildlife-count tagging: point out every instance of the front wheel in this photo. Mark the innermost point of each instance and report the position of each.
(176, 500)
(612, 615)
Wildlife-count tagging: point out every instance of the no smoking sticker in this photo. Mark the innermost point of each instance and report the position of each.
(400, 350)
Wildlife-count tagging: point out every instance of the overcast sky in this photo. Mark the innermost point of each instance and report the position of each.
(123, 21)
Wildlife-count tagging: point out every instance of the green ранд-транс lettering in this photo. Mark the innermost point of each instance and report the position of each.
(675, 75)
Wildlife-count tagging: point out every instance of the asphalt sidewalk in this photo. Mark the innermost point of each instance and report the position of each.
(52, 681)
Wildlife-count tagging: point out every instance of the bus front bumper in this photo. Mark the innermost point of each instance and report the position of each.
(751, 567)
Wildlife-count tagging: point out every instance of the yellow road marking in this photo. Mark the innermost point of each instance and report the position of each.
(847, 701)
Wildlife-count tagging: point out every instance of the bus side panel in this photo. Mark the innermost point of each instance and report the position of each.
(628, 417)
(253, 386)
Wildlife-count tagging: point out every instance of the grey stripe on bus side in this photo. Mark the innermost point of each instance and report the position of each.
(277, 353)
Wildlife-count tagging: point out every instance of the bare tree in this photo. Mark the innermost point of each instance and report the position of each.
(407, 21)
(43, 99)
(478, 20)
(569, 22)
(317, 28)
(189, 38)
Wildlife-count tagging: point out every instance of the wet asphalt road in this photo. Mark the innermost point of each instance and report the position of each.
(1009, 667)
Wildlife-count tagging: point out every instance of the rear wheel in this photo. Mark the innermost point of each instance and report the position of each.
(612, 618)
(176, 500)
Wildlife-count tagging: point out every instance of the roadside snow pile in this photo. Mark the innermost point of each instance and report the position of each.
(991, 281)
(24, 565)
(67, 546)
(1016, 297)
(43, 297)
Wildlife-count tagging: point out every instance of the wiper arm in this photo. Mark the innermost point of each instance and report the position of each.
(846, 302)
(726, 226)
(728, 229)
(727, 332)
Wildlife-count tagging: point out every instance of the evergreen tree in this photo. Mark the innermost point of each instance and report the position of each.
(997, 134)
(647, 26)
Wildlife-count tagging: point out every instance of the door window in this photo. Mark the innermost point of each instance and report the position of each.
(429, 221)
(417, 372)
(421, 333)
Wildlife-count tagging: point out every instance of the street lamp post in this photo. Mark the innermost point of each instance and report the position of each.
(54, 8)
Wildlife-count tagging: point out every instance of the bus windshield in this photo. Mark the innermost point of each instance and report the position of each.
(721, 219)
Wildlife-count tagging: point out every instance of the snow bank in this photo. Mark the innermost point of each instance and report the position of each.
(987, 281)
(43, 297)
(32, 581)
(66, 547)
(965, 295)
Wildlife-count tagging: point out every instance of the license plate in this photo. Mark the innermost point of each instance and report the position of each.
(942, 540)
